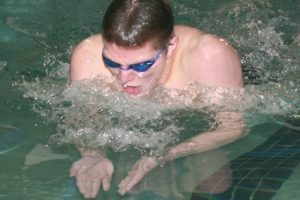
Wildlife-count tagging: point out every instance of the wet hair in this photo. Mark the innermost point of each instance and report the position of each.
(132, 23)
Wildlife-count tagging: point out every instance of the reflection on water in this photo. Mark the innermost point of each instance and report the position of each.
(92, 113)
(202, 173)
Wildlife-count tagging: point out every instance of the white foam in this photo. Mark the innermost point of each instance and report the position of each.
(95, 113)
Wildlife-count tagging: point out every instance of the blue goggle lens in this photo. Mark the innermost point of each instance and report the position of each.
(139, 67)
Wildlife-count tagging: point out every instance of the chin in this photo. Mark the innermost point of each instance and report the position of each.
(144, 91)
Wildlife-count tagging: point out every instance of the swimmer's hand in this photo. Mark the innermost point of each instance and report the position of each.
(137, 173)
(90, 173)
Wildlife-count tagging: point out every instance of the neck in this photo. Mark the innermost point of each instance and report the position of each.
(166, 74)
(168, 70)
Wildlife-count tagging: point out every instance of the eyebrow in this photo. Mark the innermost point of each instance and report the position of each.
(150, 59)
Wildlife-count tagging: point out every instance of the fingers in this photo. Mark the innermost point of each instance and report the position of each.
(136, 174)
(106, 183)
(74, 170)
(88, 186)
(90, 174)
(92, 188)
(124, 182)
(129, 182)
(80, 181)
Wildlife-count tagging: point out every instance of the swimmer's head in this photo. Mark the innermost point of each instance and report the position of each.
(133, 23)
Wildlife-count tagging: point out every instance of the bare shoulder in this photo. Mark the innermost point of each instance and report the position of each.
(86, 60)
(212, 44)
(89, 43)
(213, 61)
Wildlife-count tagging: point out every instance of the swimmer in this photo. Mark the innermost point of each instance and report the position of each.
(141, 48)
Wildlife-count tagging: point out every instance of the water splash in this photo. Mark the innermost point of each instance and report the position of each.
(268, 42)
(94, 113)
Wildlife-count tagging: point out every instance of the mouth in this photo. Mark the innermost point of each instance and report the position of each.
(132, 90)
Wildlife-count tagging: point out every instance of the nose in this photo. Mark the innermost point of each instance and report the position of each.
(126, 75)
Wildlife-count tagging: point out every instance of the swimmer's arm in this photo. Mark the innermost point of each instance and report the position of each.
(231, 127)
(217, 64)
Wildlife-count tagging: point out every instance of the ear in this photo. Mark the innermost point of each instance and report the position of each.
(172, 45)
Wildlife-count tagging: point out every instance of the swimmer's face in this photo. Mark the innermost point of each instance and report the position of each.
(135, 80)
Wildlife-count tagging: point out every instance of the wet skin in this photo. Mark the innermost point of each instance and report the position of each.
(191, 56)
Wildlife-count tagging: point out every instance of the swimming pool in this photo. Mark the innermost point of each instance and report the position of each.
(36, 38)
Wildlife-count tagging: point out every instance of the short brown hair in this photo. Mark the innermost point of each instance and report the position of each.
(132, 23)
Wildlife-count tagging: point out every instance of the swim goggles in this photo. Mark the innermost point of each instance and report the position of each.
(138, 67)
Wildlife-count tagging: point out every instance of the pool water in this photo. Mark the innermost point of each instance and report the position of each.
(36, 40)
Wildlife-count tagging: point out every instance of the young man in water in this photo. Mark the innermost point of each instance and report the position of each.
(141, 48)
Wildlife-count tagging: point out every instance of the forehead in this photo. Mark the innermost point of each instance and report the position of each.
(148, 46)
(129, 55)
